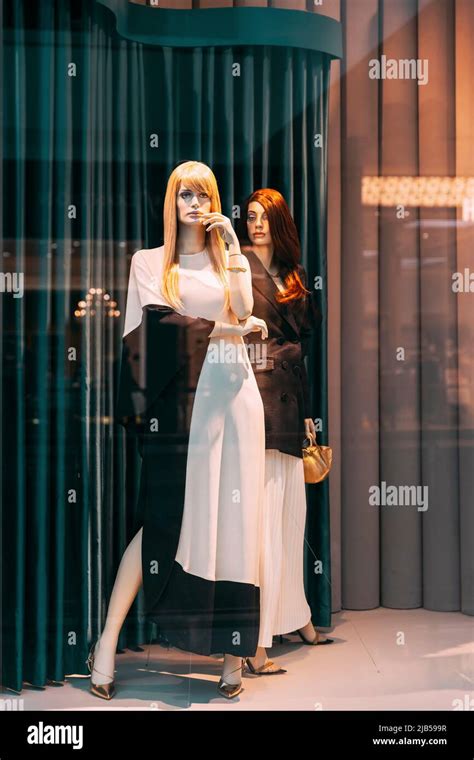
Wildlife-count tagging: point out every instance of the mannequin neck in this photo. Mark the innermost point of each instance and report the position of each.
(265, 254)
(190, 239)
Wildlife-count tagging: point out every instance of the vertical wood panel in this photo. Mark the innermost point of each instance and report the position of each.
(326, 7)
(464, 106)
(289, 5)
(334, 315)
(174, 4)
(251, 3)
(464, 117)
(215, 4)
(436, 105)
(329, 8)
(399, 315)
(359, 319)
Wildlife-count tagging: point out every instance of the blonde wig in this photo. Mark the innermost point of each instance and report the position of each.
(199, 178)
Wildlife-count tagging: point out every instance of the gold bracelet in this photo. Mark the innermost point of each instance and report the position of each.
(236, 269)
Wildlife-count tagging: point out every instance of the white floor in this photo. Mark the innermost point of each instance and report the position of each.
(381, 659)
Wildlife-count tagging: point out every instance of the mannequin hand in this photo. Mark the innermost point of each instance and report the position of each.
(310, 430)
(223, 224)
(251, 324)
(254, 324)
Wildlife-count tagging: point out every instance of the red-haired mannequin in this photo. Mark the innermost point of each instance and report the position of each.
(270, 241)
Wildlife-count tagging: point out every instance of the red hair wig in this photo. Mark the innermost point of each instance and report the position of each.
(286, 244)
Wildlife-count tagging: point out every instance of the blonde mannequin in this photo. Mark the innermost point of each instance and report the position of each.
(194, 285)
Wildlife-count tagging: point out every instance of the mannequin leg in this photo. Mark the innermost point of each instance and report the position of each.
(271, 553)
(310, 632)
(293, 607)
(232, 669)
(293, 611)
(260, 657)
(126, 586)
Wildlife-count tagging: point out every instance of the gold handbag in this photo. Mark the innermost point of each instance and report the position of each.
(317, 461)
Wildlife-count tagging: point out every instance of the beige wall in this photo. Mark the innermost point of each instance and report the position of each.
(328, 7)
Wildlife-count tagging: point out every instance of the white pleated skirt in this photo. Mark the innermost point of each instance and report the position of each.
(283, 603)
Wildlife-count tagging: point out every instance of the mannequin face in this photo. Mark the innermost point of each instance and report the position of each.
(190, 205)
(258, 227)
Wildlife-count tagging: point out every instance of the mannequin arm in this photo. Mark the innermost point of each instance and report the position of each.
(252, 324)
(240, 283)
(225, 328)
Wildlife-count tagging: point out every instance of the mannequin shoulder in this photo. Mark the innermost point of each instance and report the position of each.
(151, 258)
(149, 255)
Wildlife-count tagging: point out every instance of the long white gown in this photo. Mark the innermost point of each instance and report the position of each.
(221, 530)
(206, 596)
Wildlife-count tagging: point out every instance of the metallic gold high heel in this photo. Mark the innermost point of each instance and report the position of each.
(230, 690)
(265, 669)
(103, 690)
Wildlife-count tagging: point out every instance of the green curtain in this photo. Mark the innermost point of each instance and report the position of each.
(83, 188)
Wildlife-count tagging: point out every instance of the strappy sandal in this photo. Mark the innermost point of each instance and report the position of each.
(230, 690)
(316, 641)
(102, 690)
(266, 669)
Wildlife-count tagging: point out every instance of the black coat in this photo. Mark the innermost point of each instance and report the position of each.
(191, 612)
(278, 361)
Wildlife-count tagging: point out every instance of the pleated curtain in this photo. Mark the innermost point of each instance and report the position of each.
(93, 126)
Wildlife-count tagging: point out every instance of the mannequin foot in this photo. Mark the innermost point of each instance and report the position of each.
(308, 631)
(310, 635)
(259, 659)
(104, 661)
(232, 669)
(261, 664)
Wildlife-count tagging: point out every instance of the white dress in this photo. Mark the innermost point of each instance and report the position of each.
(205, 534)
(221, 530)
(283, 602)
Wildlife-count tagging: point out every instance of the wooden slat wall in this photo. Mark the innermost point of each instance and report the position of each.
(327, 8)
(332, 8)
(216, 4)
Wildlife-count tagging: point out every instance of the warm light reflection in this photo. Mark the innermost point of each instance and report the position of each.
(429, 192)
(96, 298)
